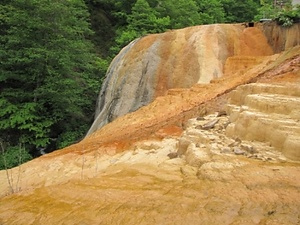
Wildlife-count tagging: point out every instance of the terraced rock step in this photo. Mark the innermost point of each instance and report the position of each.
(238, 95)
(267, 113)
(273, 103)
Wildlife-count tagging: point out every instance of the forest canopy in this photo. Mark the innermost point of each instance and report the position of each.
(54, 55)
(48, 72)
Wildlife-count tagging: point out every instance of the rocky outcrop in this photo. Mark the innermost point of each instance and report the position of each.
(181, 104)
(267, 113)
(202, 143)
(148, 67)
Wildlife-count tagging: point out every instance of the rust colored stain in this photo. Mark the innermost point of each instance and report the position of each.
(169, 131)
(254, 35)
(179, 67)
(164, 69)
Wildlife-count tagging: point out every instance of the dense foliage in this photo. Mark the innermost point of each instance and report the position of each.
(289, 17)
(54, 54)
(283, 12)
(13, 156)
(48, 76)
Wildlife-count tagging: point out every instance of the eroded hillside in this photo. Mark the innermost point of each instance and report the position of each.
(170, 161)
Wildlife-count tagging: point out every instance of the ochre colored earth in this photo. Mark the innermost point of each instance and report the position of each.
(121, 174)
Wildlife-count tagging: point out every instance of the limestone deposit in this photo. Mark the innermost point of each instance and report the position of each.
(267, 113)
(150, 66)
(196, 153)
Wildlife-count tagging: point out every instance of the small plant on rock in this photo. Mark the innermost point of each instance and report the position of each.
(11, 157)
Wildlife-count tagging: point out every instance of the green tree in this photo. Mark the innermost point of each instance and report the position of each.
(211, 11)
(237, 11)
(269, 10)
(183, 13)
(288, 16)
(265, 11)
(142, 20)
(48, 75)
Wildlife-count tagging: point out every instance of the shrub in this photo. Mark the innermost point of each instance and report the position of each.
(13, 156)
(288, 18)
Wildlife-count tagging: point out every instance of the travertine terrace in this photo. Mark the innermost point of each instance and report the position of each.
(267, 113)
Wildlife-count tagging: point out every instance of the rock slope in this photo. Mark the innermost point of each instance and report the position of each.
(156, 165)
(209, 177)
(150, 66)
(200, 177)
(181, 104)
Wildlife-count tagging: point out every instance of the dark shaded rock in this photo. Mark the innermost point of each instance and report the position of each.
(173, 155)
(221, 113)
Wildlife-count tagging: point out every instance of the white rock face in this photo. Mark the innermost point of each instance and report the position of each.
(267, 113)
